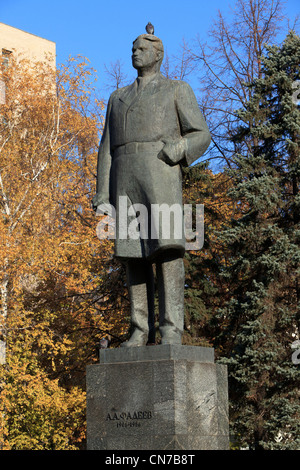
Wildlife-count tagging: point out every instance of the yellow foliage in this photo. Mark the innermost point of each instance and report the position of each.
(53, 268)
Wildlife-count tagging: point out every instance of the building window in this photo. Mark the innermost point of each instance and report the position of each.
(6, 57)
(2, 92)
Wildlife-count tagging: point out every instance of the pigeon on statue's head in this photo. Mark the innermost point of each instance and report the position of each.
(150, 28)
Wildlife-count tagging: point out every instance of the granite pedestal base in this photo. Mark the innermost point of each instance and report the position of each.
(165, 397)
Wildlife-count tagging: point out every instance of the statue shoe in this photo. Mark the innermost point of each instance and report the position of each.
(138, 338)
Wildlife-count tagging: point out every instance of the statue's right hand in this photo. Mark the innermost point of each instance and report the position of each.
(97, 201)
(102, 207)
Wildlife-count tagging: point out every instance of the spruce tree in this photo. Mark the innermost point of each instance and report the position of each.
(261, 320)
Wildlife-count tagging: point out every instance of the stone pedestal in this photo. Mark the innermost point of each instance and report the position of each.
(165, 397)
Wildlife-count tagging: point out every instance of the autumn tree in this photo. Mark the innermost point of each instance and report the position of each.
(205, 289)
(56, 295)
(116, 76)
(179, 66)
(229, 60)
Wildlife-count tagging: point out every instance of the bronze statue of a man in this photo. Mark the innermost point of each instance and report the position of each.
(153, 128)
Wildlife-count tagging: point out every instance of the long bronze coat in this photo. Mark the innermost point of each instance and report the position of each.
(138, 123)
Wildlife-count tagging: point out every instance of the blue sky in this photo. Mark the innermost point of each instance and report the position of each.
(103, 30)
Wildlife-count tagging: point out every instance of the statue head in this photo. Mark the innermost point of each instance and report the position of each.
(147, 53)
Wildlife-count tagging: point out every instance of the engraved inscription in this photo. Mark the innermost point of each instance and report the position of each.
(126, 419)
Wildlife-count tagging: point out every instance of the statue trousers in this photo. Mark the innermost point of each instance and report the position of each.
(170, 279)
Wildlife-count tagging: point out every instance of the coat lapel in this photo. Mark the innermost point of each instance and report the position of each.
(131, 95)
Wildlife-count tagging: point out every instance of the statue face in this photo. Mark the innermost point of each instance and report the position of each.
(144, 55)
